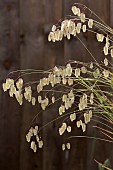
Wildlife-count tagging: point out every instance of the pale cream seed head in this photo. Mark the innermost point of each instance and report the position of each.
(74, 10)
(53, 99)
(31, 130)
(37, 138)
(68, 129)
(82, 17)
(63, 147)
(91, 65)
(39, 99)
(39, 88)
(54, 28)
(77, 72)
(90, 113)
(78, 124)
(28, 137)
(36, 127)
(64, 97)
(72, 117)
(100, 37)
(68, 146)
(78, 12)
(33, 146)
(83, 127)
(33, 100)
(106, 73)
(64, 81)
(40, 144)
(84, 28)
(105, 49)
(90, 23)
(4, 86)
(106, 62)
(111, 52)
(50, 36)
(60, 110)
(70, 81)
(34, 132)
(83, 69)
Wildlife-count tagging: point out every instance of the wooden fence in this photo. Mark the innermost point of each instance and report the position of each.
(24, 27)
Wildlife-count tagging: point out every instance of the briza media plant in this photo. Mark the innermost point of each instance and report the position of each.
(83, 91)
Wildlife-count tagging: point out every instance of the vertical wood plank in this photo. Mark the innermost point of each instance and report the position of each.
(32, 56)
(75, 51)
(9, 110)
(54, 55)
(111, 13)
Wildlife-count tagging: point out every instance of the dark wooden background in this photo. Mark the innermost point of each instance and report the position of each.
(24, 26)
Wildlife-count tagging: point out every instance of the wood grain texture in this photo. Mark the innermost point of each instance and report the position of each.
(54, 55)
(32, 56)
(9, 110)
(111, 13)
(73, 50)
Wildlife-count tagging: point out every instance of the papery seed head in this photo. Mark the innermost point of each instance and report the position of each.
(39, 99)
(82, 17)
(90, 113)
(69, 129)
(64, 97)
(83, 69)
(78, 12)
(72, 117)
(70, 81)
(111, 52)
(91, 65)
(105, 49)
(31, 130)
(106, 73)
(77, 72)
(78, 124)
(53, 99)
(64, 81)
(34, 132)
(36, 127)
(63, 147)
(68, 145)
(64, 125)
(90, 23)
(33, 146)
(33, 100)
(96, 73)
(74, 32)
(37, 138)
(84, 28)
(50, 36)
(79, 25)
(60, 110)
(28, 137)
(4, 87)
(106, 62)
(62, 128)
(100, 37)
(68, 36)
(91, 98)
(83, 127)
(74, 10)
(40, 144)
(53, 28)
